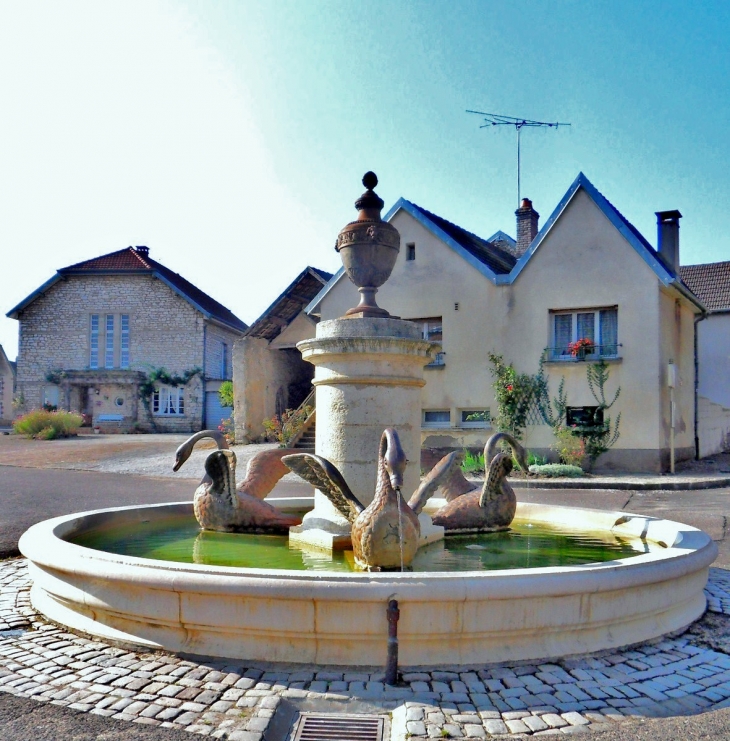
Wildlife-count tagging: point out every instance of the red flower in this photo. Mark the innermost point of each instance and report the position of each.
(509, 387)
(583, 344)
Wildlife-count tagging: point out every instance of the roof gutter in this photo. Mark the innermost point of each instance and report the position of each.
(677, 284)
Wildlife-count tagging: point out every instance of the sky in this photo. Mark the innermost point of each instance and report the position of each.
(231, 137)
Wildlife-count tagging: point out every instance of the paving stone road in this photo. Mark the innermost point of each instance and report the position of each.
(227, 699)
(58, 685)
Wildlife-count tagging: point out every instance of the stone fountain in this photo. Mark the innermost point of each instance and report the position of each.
(368, 376)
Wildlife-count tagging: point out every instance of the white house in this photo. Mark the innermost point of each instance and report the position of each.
(587, 274)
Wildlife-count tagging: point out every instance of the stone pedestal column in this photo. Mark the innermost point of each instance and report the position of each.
(368, 376)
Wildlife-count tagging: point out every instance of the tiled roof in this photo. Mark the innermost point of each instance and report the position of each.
(127, 259)
(287, 306)
(710, 283)
(491, 254)
(132, 260)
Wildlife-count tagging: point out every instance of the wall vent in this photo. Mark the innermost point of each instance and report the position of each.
(339, 727)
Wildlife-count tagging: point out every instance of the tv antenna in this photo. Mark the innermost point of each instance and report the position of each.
(496, 119)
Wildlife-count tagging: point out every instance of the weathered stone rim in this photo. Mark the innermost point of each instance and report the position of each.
(312, 617)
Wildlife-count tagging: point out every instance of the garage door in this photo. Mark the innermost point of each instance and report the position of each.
(214, 411)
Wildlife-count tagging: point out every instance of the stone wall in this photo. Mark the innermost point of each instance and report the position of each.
(165, 331)
(265, 382)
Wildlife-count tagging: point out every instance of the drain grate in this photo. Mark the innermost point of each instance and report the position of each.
(338, 727)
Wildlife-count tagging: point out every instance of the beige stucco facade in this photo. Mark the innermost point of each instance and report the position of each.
(582, 263)
(713, 344)
(165, 331)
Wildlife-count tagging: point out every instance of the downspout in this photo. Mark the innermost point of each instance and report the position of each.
(697, 320)
(205, 356)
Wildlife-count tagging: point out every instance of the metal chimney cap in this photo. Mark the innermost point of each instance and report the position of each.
(668, 215)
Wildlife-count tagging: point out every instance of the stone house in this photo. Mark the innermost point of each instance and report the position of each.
(711, 284)
(586, 274)
(7, 386)
(269, 375)
(94, 336)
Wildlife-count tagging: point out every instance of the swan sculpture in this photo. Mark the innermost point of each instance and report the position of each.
(469, 510)
(386, 533)
(218, 505)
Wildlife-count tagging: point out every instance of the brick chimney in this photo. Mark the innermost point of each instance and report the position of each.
(527, 219)
(667, 225)
(144, 251)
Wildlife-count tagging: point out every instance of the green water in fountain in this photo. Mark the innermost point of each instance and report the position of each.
(525, 545)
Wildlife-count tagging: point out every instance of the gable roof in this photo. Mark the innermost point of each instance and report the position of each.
(710, 283)
(665, 273)
(137, 261)
(289, 304)
(492, 258)
(491, 254)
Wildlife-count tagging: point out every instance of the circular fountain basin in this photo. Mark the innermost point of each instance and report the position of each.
(323, 617)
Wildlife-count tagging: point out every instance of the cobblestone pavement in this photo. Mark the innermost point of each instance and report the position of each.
(226, 699)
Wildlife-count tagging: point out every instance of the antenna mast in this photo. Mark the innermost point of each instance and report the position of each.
(495, 119)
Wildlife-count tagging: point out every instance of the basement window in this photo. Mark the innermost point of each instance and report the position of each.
(436, 418)
(476, 418)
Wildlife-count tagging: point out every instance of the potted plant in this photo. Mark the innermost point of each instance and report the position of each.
(581, 347)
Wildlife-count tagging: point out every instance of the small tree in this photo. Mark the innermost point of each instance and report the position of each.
(600, 436)
(515, 393)
(225, 393)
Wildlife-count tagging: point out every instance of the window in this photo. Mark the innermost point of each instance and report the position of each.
(94, 342)
(436, 418)
(114, 341)
(50, 397)
(217, 358)
(124, 342)
(109, 344)
(583, 416)
(599, 327)
(410, 251)
(476, 418)
(224, 361)
(168, 400)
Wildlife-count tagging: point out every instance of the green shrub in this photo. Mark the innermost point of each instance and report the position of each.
(557, 469)
(286, 426)
(473, 462)
(534, 460)
(569, 446)
(225, 394)
(44, 425)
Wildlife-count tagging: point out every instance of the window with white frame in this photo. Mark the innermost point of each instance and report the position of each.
(585, 333)
(124, 341)
(436, 418)
(94, 341)
(432, 330)
(109, 341)
(51, 397)
(168, 401)
(475, 418)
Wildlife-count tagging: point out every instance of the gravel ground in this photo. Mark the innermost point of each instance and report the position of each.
(141, 455)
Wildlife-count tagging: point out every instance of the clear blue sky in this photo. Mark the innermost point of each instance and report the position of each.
(230, 137)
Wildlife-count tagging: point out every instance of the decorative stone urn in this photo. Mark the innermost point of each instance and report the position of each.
(368, 247)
